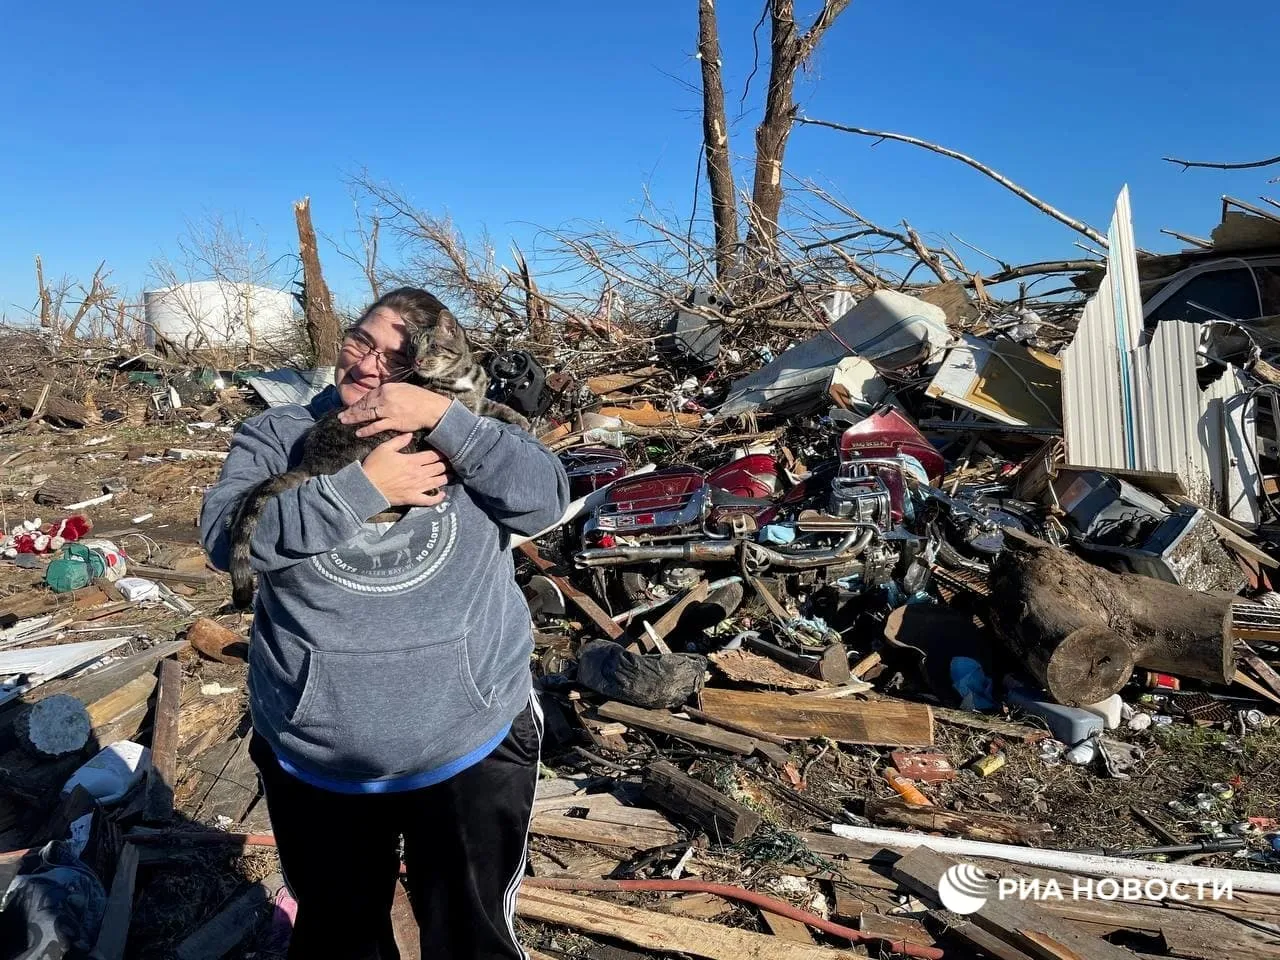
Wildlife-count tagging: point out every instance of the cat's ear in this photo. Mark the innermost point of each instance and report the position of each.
(447, 326)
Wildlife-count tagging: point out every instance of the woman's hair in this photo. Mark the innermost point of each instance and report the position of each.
(417, 308)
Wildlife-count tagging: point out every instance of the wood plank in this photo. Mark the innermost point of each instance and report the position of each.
(404, 926)
(603, 833)
(1264, 672)
(725, 820)
(170, 576)
(1021, 924)
(221, 934)
(745, 729)
(972, 824)
(660, 721)
(119, 702)
(235, 789)
(667, 622)
(114, 932)
(96, 685)
(208, 767)
(164, 744)
(660, 932)
(602, 620)
(784, 928)
(877, 723)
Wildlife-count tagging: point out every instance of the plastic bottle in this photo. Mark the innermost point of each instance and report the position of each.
(906, 788)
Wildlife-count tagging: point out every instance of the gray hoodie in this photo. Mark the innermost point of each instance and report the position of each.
(380, 651)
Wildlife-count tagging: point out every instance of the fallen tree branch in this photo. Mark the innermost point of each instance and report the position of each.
(1045, 267)
(1247, 165)
(999, 178)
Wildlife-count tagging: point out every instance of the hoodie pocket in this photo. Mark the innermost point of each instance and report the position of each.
(380, 710)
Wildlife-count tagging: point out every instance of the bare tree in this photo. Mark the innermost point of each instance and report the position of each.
(715, 140)
(789, 51)
(323, 329)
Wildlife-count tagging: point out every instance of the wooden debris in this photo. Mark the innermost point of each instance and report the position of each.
(92, 687)
(725, 820)
(217, 642)
(1019, 924)
(234, 789)
(660, 721)
(119, 702)
(660, 932)
(58, 492)
(602, 818)
(784, 928)
(584, 603)
(170, 576)
(1080, 630)
(744, 667)
(745, 729)
(164, 744)
(56, 407)
(876, 723)
(220, 935)
(404, 925)
(831, 667)
(613, 382)
(667, 622)
(114, 932)
(975, 825)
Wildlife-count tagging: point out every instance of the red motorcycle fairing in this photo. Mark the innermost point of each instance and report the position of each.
(590, 468)
(653, 503)
(755, 476)
(886, 434)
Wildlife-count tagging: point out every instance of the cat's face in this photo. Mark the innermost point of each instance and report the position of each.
(440, 352)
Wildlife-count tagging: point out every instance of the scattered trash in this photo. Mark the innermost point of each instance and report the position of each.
(116, 769)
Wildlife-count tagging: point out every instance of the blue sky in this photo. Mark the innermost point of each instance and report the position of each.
(120, 122)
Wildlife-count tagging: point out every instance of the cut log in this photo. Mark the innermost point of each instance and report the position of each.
(1080, 630)
(724, 820)
(54, 727)
(895, 723)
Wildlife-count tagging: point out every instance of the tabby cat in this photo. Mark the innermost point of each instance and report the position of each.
(442, 362)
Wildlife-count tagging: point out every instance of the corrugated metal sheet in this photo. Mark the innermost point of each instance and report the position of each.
(1134, 405)
(284, 386)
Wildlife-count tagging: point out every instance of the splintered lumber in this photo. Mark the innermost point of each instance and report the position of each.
(724, 820)
(584, 603)
(1080, 630)
(742, 666)
(56, 407)
(114, 932)
(190, 578)
(876, 723)
(217, 642)
(603, 819)
(832, 666)
(660, 721)
(164, 744)
(659, 931)
(971, 824)
(117, 703)
(219, 936)
(1020, 924)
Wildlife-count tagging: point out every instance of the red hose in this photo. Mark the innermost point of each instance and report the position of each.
(777, 907)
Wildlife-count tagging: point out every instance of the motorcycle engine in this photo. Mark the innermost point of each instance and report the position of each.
(860, 495)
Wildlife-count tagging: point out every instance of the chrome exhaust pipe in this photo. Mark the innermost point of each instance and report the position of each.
(719, 550)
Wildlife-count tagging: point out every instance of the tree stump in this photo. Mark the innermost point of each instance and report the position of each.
(1080, 630)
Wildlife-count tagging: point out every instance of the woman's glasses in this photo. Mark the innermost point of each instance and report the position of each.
(388, 364)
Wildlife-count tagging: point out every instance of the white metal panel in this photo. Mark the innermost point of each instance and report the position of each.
(20, 670)
(1130, 404)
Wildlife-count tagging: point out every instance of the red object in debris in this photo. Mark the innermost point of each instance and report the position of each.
(662, 490)
(887, 433)
(72, 528)
(1162, 681)
(929, 767)
(755, 475)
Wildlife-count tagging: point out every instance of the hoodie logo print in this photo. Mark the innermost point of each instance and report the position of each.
(413, 551)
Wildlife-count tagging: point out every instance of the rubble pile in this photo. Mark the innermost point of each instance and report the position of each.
(844, 608)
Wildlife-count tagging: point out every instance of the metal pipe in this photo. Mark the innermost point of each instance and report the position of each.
(655, 604)
(714, 550)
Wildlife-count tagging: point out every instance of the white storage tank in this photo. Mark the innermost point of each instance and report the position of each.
(217, 313)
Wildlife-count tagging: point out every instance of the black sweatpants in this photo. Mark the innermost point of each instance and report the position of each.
(464, 852)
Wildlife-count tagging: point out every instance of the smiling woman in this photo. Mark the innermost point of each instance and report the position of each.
(389, 663)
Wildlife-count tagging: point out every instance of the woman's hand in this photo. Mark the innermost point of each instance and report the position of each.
(407, 479)
(396, 406)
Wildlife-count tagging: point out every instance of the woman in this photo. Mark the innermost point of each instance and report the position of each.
(389, 663)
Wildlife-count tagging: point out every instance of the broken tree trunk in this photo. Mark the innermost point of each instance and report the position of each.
(715, 141)
(322, 324)
(1081, 630)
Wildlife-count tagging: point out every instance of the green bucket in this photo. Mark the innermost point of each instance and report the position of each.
(77, 566)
